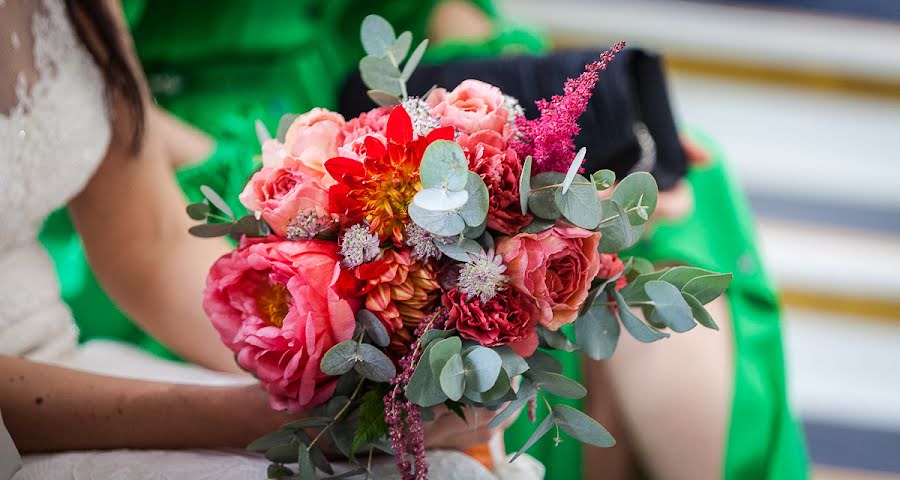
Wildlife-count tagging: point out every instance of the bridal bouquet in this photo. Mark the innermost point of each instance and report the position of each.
(431, 252)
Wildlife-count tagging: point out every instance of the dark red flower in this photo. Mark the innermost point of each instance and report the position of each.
(510, 318)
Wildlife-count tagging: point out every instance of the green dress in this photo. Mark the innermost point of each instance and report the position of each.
(222, 68)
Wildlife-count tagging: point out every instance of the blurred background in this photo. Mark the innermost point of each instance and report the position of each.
(804, 98)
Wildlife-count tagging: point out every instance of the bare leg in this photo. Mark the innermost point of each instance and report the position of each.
(675, 396)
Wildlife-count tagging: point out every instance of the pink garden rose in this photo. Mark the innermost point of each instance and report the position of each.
(279, 307)
(510, 318)
(500, 169)
(283, 193)
(556, 266)
(314, 137)
(472, 106)
(372, 122)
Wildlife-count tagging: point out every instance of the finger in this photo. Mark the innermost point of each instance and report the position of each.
(675, 203)
(696, 154)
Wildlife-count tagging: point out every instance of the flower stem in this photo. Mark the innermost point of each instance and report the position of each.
(338, 414)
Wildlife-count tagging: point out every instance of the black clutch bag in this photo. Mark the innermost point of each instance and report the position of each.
(628, 125)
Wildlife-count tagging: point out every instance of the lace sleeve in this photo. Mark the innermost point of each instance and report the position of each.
(17, 66)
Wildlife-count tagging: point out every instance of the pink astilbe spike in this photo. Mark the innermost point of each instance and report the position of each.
(550, 138)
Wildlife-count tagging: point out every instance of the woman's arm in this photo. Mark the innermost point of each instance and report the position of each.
(50, 408)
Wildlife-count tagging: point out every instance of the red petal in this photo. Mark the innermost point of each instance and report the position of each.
(374, 147)
(399, 126)
(443, 133)
(341, 166)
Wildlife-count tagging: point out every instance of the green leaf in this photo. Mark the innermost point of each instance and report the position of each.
(525, 185)
(453, 378)
(617, 233)
(538, 225)
(541, 199)
(340, 358)
(541, 360)
(378, 73)
(460, 250)
(669, 308)
(634, 191)
(434, 334)
(284, 124)
(678, 276)
(424, 389)
(285, 453)
(640, 266)
(581, 426)
(372, 424)
(444, 224)
(707, 288)
(210, 230)
(216, 200)
(512, 362)
(414, 60)
(444, 166)
(557, 384)
(305, 467)
(556, 339)
(197, 211)
(635, 326)
(597, 332)
(700, 314)
(374, 365)
(475, 232)
(573, 170)
(262, 133)
(539, 432)
(500, 388)
(377, 35)
(604, 179)
(474, 212)
(580, 204)
(383, 99)
(525, 393)
(319, 460)
(247, 225)
(308, 422)
(276, 471)
(279, 437)
(482, 366)
(400, 47)
(441, 352)
(373, 327)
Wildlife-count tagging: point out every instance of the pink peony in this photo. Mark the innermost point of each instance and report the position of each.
(471, 106)
(279, 307)
(556, 266)
(500, 169)
(283, 193)
(510, 318)
(314, 137)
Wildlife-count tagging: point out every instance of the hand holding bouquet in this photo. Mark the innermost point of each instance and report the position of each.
(431, 251)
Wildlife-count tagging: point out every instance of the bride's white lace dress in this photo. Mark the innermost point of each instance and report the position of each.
(54, 131)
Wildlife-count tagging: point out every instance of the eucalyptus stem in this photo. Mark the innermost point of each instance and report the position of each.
(632, 209)
(219, 217)
(550, 412)
(338, 414)
(557, 185)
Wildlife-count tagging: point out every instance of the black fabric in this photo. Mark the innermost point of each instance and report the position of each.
(631, 92)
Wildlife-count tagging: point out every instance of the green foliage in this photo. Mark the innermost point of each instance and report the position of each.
(707, 288)
(557, 384)
(541, 360)
(526, 392)
(669, 307)
(434, 334)
(372, 424)
(308, 422)
(284, 124)
(305, 467)
(374, 365)
(617, 232)
(700, 314)
(538, 225)
(525, 184)
(276, 471)
(198, 211)
(378, 73)
(383, 99)
(444, 224)
(460, 250)
(604, 179)
(453, 377)
(386, 51)
(340, 358)
(542, 198)
(216, 200)
(210, 230)
(637, 194)
(513, 363)
(373, 327)
(573, 170)
(482, 366)
(278, 437)
(400, 48)
(444, 166)
(441, 352)
(556, 339)
(414, 60)
(579, 205)
(539, 432)
(581, 426)
(597, 332)
(635, 326)
(377, 35)
(474, 212)
(423, 388)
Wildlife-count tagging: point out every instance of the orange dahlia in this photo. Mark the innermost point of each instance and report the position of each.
(379, 189)
(400, 291)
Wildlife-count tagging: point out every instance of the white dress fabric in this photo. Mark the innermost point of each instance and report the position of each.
(54, 131)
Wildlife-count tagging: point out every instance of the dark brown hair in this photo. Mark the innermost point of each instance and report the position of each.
(100, 30)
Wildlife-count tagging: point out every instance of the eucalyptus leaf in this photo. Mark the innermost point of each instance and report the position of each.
(525, 393)
(669, 307)
(400, 48)
(444, 165)
(210, 230)
(378, 73)
(444, 224)
(441, 351)
(319, 460)
(573, 170)
(557, 384)
(197, 211)
(247, 225)
(700, 314)
(541, 199)
(377, 35)
(475, 232)
(305, 468)
(678, 276)
(538, 225)
(340, 358)
(604, 179)
(424, 388)
(482, 366)
(308, 422)
(617, 233)
(579, 204)
(707, 288)
(453, 378)
(440, 200)
(496, 392)
(635, 326)
(285, 453)
(216, 200)
(556, 339)
(637, 191)
(276, 471)
(262, 133)
(513, 363)
(284, 124)
(597, 332)
(279, 437)
(581, 426)
(460, 250)
(541, 360)
(434, 334)
(373, 327)
(414, 60)
(539, 432)
(525, 185)
(474, 212)
(486, 240)
(383, 99)
(374, 365)
(640, 266)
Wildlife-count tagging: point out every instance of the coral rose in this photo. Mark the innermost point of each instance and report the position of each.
(472, 106)
(510, 318)
(283, 194)
(500, 169)
(279, 307)
(610, 266)
(556, 266)
(314, 137)
(372, 122)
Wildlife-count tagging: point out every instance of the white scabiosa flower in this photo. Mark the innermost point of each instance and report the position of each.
(483, 276)
(359, 246)
(422, 243)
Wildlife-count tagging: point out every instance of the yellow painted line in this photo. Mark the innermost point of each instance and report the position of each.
(884, 310)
